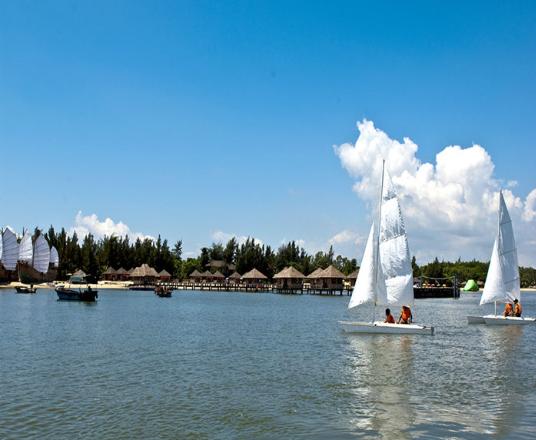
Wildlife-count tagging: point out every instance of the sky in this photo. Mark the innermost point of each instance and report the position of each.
(204, 120)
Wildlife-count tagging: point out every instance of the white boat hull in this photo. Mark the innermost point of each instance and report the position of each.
(475, 320)
(507, 320)
(379, 327)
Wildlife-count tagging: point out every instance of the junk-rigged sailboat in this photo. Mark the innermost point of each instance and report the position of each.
(385, 277)
(502, 281)
(37, 263)
(9, 255)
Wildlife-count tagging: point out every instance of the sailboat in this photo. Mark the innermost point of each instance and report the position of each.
(385, 277)
(502, 281)
(9, 254)
(34, 259)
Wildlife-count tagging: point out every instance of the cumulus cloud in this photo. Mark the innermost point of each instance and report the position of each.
(345, 236)
(450, 205)
(90, 224)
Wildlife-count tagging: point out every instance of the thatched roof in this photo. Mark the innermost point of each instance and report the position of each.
(164, 273)
(79, 273)
(353, 275)
(196, 274)
(235, 276)
(315, 273)
(231, 267)
(216, 263)
(207, 274)
(218, 275)
(289, 272)
(254, 274)
(121, 271)
(110, 271)
(331, 272)
(144, 271)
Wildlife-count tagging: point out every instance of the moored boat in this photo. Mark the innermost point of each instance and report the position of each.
(87, 295)
(25, 289)
(385, 277)
(163, 292)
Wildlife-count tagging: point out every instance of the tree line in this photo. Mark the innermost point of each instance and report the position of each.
(94, 256)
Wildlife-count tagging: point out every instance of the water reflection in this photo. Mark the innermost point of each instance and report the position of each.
(384, 380)
(501, 346)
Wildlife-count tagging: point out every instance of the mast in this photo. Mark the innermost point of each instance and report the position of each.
(377, 241)
(498, 230)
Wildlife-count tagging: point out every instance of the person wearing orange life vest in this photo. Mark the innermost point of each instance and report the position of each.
(389, 318)
(517, 308)
(405, 316)
(508, 310)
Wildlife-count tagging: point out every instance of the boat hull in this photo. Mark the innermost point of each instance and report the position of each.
(26, 289)
(507, 320)
(378, 327)
(475, 320)
(73, 295)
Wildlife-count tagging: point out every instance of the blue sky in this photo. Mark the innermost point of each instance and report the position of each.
(189, 118)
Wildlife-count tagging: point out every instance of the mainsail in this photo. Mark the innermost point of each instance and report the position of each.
(41, 255)
(54, 257)
(25, 248)
(10, 249)
(394, 249)
(385, 276)
(502, 280)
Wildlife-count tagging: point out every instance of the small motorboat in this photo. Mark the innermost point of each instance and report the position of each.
(87, 295)
(163, 292)
(25, 289)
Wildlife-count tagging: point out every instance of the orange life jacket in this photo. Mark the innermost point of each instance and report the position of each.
(406, 314)
(507, 309)
(390, 319)
(518, 310)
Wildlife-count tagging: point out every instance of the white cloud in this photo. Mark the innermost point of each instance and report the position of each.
(450, 206)
(345, 236)
(90, 224)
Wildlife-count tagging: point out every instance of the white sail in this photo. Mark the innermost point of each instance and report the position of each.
(370, 285)
(502, 280)
(26, 248)
(10, 249)
(394, 250)
(41, 255)
(54, 257)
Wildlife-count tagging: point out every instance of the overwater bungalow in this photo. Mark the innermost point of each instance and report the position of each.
(195, 276)
(110, 274)
(218, 276)
(330, 278)
(234, 278)
(122, 274)
(351, 278)
(164, 275)
(254, 278)
(144, 274)
(289, 279)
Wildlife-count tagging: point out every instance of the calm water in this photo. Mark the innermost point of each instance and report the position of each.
(231, 365)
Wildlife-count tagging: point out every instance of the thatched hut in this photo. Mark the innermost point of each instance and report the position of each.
(122, 274)
(234, 278)
(351, 278)
(79, 277)
(144, 274)
(110, 274)
(289, 278)
(164, 275)
(255, 278)
(218, 276)
(330, 278)
(207, 276)
(195, 276)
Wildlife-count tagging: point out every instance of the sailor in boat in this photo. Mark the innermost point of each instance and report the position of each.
(508, 310)
(518, 310)
(389, 318)
(405, 316)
